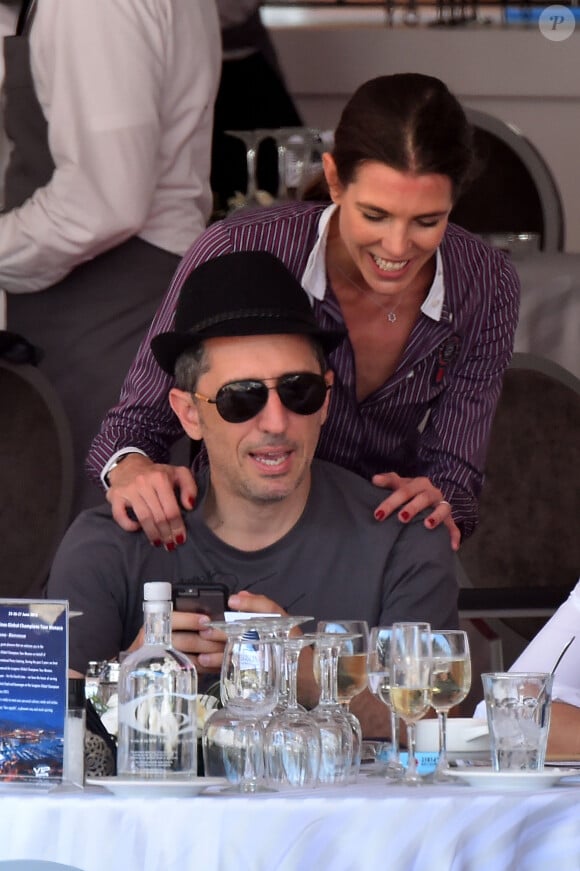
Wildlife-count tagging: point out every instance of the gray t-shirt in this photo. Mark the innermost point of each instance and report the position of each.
(337, 562)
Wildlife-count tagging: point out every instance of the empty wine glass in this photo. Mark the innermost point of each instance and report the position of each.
(411, 683)
(273, 626)
(450, 683)
(295, 148)
(351, 676)
(292, 738)
(379, 677)
(233, 737)
(280, 627)
(336, 735)
(252, 140)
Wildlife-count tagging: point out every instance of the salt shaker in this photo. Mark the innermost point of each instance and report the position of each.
(108, 684)
(92, 678)
(74, 732)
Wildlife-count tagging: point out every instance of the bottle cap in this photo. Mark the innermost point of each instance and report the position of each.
(76, 692)
(157, 591)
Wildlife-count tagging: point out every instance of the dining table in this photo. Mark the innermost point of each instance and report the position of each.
(370, 824)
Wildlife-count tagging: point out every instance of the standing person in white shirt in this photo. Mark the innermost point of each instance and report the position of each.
(109, 108)
(8, 18)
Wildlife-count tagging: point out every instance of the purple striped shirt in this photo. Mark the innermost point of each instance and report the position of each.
(431, 417)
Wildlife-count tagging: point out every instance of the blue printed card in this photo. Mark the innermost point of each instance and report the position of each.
(33, 689)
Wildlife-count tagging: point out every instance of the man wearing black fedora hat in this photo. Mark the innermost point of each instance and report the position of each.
(283, 531)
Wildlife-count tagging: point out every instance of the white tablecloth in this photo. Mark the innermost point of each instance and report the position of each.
(549, 323)
(364, 826)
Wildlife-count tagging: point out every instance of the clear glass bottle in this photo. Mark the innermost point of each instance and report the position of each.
(157, 699)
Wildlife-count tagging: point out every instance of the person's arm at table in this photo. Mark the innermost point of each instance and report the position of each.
(564, 734)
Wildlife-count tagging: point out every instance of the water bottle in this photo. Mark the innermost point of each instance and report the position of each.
(157, 699)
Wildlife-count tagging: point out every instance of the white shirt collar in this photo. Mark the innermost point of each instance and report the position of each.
(314, 276)
(433, 305)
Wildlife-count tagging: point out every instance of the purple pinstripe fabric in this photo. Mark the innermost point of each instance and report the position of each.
(381, 433)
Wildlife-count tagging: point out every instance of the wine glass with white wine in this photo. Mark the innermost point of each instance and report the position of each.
(411, 683)
(379, 680)
(450, 683)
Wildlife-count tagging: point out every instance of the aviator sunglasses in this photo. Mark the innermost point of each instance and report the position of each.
(239, 401)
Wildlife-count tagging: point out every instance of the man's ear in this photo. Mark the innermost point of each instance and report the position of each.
(331, 175)
(186, 410)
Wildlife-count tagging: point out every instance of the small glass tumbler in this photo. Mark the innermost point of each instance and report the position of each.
(518, 708)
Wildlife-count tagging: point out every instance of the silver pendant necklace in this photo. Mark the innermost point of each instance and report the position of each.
(390, 314)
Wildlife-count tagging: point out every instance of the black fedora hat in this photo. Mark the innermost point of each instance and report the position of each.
(249, 293)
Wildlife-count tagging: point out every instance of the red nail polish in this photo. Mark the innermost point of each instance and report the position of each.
(157, 543)
(431, 522)
(379, 515)
(405, 516)
(170, 546)
(191, 502)
(179, 539)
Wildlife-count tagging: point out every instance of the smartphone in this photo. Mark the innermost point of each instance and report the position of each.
(199, 598)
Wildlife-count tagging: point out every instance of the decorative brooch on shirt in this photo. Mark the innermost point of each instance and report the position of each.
(448, 351)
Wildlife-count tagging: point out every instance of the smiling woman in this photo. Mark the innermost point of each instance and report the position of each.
(430, 313)
(390, 226)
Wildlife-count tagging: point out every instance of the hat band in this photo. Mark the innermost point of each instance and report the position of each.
(242, 314)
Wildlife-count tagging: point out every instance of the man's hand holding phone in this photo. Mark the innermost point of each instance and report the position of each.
(196, 605)
(189, 627)
(189, 633)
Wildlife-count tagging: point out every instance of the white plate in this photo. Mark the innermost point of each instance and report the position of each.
(486, 778)
(141, 788)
